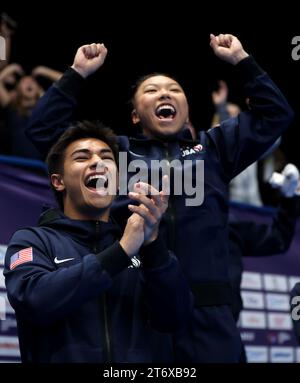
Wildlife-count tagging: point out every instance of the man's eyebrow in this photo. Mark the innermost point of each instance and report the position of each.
(88, 151)
(106, 150)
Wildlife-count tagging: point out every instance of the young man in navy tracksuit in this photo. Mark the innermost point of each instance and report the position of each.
(78, 293)
(198, 233)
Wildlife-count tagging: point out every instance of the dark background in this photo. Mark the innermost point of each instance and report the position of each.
(165, 36)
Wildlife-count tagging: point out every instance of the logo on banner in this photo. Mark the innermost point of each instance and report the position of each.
(282, 354)
(253, 300)
(9, 346)
(280, 302)
(280, 338)
(273, 282)
(251, 280)
(257, 354)
(253, 319)
(278, 321)
(248, 336)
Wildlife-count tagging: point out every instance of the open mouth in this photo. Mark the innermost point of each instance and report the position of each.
(97, 183)
(165, 112)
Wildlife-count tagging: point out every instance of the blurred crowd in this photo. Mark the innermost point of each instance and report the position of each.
(19, 93)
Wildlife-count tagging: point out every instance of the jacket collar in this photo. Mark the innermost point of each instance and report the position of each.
(81, 230)
(183, 135)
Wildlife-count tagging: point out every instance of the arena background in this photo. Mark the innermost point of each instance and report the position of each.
(149, 36)
(146, 37)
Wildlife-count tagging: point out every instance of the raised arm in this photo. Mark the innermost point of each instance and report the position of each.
(89, 58)
(228, 48)
(54, 111)
(242, 140)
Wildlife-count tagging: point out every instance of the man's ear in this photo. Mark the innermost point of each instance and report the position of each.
(135, 117)
(57, 182)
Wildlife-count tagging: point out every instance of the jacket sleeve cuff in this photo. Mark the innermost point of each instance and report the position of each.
(248, 69)
(155, 254)
(71, 83)
(113, 259)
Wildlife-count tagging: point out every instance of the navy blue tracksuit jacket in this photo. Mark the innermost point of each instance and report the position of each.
(197, 234)
(79, 298)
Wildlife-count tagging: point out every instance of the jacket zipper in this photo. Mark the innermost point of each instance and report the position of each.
(103, 308)
(171, 228)
(171, 212)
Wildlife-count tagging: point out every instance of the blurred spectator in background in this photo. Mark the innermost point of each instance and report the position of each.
(223, 108)
(7, 28)
(251, 186)
(19, 94)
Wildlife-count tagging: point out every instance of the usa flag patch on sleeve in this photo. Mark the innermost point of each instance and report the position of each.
(20, 257)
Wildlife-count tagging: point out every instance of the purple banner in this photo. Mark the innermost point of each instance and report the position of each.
(23, 193)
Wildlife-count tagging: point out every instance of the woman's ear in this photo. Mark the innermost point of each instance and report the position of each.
(57, 182)
(135, 117)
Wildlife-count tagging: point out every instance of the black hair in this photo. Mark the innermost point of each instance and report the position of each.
(143, 78)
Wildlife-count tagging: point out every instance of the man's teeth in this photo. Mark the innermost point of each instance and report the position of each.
(97, 176)
(97, 181)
